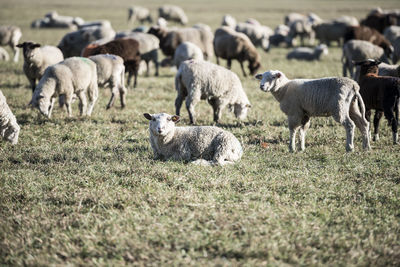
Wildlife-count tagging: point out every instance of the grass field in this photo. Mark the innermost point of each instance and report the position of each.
(86, 191)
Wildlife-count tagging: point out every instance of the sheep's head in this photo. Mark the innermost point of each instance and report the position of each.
(269, 80)
(254, 66)
(28, 49)
(11, 132)
(42, 103)
(368, 66)
(161, 124)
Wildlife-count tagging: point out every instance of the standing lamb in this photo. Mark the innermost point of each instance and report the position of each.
(198, 80)
(3, 54)
(139, 13)
(111, 72)
(10, 35)
(203, 145)
(309, 54)
(36, 60)
(358, 50)
(9, 128)
(173, 13)
(76, 75)
(229, 44)
(301, 99)
(381, 93)
(186, 51)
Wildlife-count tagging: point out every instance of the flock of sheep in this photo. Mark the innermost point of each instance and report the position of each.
(94, 55)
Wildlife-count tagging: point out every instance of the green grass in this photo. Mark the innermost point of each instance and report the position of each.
(86, 191)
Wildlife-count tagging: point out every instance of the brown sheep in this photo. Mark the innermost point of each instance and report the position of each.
(128, 49)
(379, 21)
(229, 44)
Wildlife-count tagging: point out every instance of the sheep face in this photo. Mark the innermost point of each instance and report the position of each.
(368, 66)
(269, 80)
(11, 133)
(28, 49)
(43, 104)
(161, 124)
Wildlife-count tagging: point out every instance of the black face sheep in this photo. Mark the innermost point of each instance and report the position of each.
(197, 79)
(76, 75)
(127, 49)
(10, 35)
(203, 145)
(380, 93)
(309, 54)
(229, 44)
(9, 128)
(301, 99)
(37, 58)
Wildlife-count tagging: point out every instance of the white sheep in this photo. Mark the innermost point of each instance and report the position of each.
(37, 58)
(258, 34)
(229, 21)
(301, 99)
(111, 72)
(9, 128)
(76, 75)
(10, 35)
(3, 54)
(309, 54)
(173, 13)
(359, 50)
(197, 79)
(139, 13)
(186, 51)
(203, 145)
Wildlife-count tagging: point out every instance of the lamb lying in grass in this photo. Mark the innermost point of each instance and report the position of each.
(203, 145)
(301, 99)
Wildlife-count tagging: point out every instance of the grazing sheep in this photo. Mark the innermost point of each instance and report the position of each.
(381, 93)
(309, 54)
(327, 32)
(258, 35)
(111, 72)
(391, 33)
(229, 44)
(186, 51)
(3, 54)
(173, 13)
(203, 145)
(76, 75)
(280, 36)
(197, 79)
(10, 35)
(139, 13)
(128, 49)
(301, 99)
(148, 47)
(303, 29)
(358, 50)
(36, 60)
(9, 128)
(229, 21)
(74, 42)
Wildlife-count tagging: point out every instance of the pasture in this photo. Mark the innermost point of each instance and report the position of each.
(86, 191)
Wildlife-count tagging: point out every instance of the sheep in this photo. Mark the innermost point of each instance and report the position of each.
(139, 13)
(309, 54)
(301, 99)
(9, 128)
(98, 23)
(347, 20)
(170, 39)
(330, 31)
(10, 35)
(186, 51)
(37, 58)
(161, 22)
(197, 79)
(111, 71)
(379, 21)
(4, 55)
(74, 42)
(258, 35)
(76, 75)
(128, 49)
(358, 50)
(280, 35)
(202, 145)
(53, 20)
(229, 44)
(396, 50)
(229, 21)
(303, 29)
(368, 34)
(381, 93)
(383, 70)
(292, 17)
(391, 33)
(173, 13)
(148, 47)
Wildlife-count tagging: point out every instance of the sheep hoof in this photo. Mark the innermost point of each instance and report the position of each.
(376, 137)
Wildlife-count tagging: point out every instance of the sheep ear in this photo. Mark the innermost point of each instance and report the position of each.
(35, 45)
(148, 116)
(20, 45)
(258, 77)
(175, 118)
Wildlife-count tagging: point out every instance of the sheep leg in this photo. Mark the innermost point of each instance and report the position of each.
(217, 106)
(241, 66)
(361, 123)
(52, 101)
(93, 93)
(191, 102)
(345, 66)
(348, 124)
(114, 91)
(178, 103)
(228, 64)
(377, 119)
(33, 84)
(157, 65)
(294, 124)
(16, 53)
(135, 80)
(147, 68)
(217, 60)
(305, 124)
(82, 103)
(67, 101)
(122, 95)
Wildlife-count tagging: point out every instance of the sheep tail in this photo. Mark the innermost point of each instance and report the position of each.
(360, 103)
